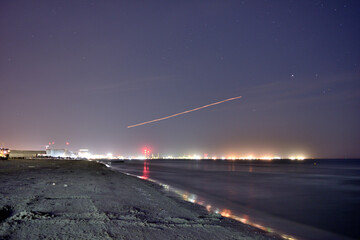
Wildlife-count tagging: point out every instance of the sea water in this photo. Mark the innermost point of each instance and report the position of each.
(310, 199)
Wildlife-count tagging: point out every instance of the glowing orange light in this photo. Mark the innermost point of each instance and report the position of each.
(208, 207)
(225, 213)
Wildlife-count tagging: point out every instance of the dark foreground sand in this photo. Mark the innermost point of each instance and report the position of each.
(58, 199)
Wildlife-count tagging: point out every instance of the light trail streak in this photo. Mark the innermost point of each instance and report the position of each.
(188, 111)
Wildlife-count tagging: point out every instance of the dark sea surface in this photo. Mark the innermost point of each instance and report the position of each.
(310, 199)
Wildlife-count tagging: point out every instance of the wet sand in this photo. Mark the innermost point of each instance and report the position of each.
(60, 199)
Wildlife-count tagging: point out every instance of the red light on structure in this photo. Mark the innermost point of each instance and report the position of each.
(147, 152)
(53, 142)
(67, 143)
(49, 143)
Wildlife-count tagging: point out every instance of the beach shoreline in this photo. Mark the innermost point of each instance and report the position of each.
(65, 199)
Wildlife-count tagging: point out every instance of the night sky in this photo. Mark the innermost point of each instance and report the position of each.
(82, 71)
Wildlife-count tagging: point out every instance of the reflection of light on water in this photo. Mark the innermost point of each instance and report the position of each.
(145, 171)
(223, 212)
(211, 209)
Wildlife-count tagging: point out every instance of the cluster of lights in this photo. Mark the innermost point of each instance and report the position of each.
(268, 158)
(4, 152)
(232, 157)
(146, 155)
(88, 155)
(84, 153)
(297, 158)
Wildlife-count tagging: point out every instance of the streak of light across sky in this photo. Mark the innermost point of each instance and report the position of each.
(188, 111)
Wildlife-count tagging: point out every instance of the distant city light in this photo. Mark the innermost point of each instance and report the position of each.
(297, 158)
(250, 157)
(85, 154)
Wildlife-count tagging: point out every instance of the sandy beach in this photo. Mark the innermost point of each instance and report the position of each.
(60, 199)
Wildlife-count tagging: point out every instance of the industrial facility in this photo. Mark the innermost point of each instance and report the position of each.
(20, 154)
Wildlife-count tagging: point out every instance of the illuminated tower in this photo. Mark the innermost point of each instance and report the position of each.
(147, 152)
